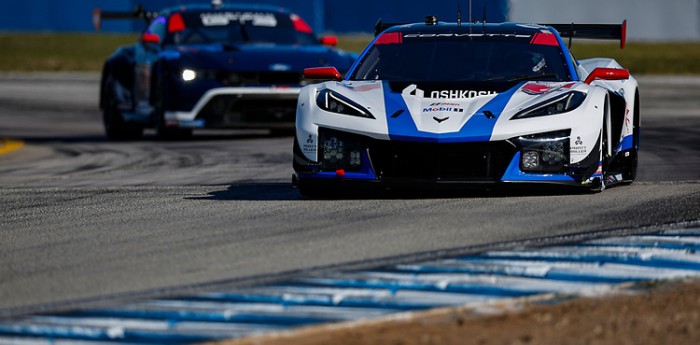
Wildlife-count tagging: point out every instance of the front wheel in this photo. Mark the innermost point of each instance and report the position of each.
(115, 126)
(605, 153)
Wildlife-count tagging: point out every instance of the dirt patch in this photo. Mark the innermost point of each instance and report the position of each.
(668, 313)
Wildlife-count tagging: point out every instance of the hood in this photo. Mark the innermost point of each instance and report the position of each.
(455, 112)
(261, 57)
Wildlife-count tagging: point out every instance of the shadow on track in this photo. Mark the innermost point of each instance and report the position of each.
(97, 138)
(281, 191)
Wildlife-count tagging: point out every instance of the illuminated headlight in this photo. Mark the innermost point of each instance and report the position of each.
(556, 105)
(188, 75)
(548, 152)
(337, 103)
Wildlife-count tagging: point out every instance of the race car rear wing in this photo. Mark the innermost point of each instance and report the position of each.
(138, 13)
(593, 31)
(589, 31)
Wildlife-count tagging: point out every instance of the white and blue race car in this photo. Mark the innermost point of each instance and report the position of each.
(470, 104)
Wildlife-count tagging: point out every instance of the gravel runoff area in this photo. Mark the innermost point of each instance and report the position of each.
(655, 313)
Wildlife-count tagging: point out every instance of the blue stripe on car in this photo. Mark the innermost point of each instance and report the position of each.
(478, 128)
(625, 144)
(513, 173)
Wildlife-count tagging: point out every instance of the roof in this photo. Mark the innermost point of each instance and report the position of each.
(489, 28)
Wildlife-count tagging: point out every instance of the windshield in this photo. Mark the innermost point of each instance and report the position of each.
(238, 27)
(402, 57)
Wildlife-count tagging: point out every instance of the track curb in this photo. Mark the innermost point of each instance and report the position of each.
(10, 145)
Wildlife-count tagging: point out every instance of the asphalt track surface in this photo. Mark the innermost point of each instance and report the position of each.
(82, 218)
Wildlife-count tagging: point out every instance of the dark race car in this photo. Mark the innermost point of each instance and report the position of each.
(218, 66)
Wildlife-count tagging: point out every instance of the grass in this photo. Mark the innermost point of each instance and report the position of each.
(87, 52)
(647, 58)
(58, 52)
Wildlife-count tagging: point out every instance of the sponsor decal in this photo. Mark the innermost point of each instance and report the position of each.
(442, 109)
(612, 179)
(446, 104)
(440, 120)
(460, 93)
(253, 18)
(310, 145)
(465, 35)
(578, 148)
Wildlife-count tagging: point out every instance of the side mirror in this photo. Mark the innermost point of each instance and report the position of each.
(322, 73)
(330, 41)
(150, 38)
(607, 74)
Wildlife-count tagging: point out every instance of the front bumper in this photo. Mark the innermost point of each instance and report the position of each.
(240, 107)
(409, 164)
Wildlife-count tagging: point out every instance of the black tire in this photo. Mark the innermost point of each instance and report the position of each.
(604, 156)
(115, 126)
(629, 173)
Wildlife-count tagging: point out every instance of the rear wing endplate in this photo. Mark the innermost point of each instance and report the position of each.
(593, 31)
(381, 26)
(138, 13)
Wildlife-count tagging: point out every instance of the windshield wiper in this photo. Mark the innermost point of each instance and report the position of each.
(533, 77)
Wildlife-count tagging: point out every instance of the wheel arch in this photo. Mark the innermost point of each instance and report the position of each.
(120, 66)
(618, 112)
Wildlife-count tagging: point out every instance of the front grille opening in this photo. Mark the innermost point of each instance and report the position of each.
(394, 160)
(441, 161)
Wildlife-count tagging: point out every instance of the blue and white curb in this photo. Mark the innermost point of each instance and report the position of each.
(586, 268)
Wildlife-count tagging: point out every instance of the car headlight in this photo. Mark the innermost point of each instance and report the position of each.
(556, 105)
(188, 75)
(544, 153)
(336, 103)
(340, 151)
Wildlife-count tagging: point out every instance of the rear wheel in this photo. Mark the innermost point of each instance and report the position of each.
(115, 126)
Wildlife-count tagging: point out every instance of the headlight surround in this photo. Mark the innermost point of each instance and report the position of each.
(336, 103)
(340, 151)
(556, 105)
(544, 153)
